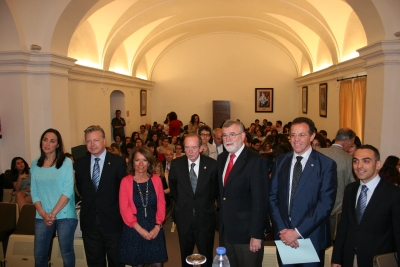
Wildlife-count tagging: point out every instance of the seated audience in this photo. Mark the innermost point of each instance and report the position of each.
(357, 144)
(266, 147)
(164, 145)
(159, 170)
(138, 142)
(255, 145)
(21, 182)
(318, 142)
(178, 151)
(390, 170)
(156, 154)
(259, 135)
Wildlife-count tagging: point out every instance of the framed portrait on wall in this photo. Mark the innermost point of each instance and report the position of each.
(264, 101)
(323, 100)
(143, 102)
(304, 99)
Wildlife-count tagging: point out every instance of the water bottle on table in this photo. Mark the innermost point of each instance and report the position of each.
(221, 260)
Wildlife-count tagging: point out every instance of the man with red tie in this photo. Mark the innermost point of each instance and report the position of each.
(244, 190)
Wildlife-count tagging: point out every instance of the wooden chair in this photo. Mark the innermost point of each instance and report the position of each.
(386, 260)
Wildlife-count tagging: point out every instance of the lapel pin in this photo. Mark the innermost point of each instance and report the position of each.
(109, 163)
(312, 165)
(205, 167)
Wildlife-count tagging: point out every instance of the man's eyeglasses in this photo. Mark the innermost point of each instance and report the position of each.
(300, 135)
(231, 135)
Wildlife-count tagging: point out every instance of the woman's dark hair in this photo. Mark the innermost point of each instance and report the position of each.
(172, 116)
(60, 156)
(14, 171)
(321, 140)
(192, 118)
(389, 170)
(281, 149)
(69, 155)
(146, 152)
(357, 142)
(133, 136)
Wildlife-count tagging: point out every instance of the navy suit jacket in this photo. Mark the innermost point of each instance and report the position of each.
(378, 231)
(312, 202)
(105, 201)
(244, 198)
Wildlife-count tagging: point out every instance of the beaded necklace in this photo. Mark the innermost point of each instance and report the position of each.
(141, 197)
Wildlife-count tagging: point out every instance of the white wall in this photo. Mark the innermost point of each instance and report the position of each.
(224, 67)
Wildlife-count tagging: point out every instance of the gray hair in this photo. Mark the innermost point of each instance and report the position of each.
(345, 134)
(229, 123)
(95, 128)
(193, 135)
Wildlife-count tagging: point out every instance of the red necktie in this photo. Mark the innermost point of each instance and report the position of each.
(229, 168)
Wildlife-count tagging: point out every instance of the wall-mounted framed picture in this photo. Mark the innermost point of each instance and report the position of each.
(304, 99)
(323, 100)
(143, 102)
(264, 101)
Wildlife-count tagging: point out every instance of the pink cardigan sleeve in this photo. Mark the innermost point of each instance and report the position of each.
(126, 206)
(157, 183)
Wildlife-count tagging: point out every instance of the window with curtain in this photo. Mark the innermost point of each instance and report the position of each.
(352, 105)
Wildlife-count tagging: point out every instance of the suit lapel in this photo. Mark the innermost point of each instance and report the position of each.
(202, 173)
(104, 173)
(285, 179)
(353, 195)
(186, 176)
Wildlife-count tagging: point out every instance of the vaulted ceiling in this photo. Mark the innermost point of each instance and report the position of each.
(130, 36)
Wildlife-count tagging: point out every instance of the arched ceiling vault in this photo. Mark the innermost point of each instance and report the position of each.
(129, 36)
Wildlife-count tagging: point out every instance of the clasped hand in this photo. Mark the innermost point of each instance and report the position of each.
(289, 237)
(48, 219)
(149, 235)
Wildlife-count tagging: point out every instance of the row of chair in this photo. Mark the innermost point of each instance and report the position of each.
(17, 232)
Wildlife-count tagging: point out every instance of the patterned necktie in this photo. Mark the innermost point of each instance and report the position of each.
(361, 203)
(297, 171)
(96, 174)
(229, 168)
(193, 177)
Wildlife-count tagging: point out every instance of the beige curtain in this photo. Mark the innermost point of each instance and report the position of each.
(358, 110)
(345, 103)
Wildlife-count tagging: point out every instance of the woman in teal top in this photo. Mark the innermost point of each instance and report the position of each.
(52, 190)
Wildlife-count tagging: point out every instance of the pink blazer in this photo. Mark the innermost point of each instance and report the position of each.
(128, 209)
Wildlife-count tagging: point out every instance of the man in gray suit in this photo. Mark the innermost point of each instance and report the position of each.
(338, 152)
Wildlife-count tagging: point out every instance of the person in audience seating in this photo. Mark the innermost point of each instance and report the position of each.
(117, 140)
(138, 142)
(21, 182)
(52, 190)
(154, 139)
(355, 145)
(159, 170)
(169, 156)
(178, 151)
(369, 225)
(142, 133)
(217, 140)
(142, 207)
(165, 145)
(134, 136)
(193, 125)
(286, 129)
(259, 135)
(255, 145)
(266, 147)
(273, 137)
(390, 170)
(208, 149)
(156, 154)
(318, 142)
(278, 126)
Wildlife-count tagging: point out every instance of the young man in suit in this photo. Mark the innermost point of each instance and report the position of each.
(303, 192)
(370, 214)
(244, 187)
(98, 176)
(194, 188)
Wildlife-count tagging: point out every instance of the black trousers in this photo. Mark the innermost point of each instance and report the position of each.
(101, 247)
(203, 239)
(239, 255)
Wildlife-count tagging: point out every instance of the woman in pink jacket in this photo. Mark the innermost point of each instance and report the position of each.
(142, 206)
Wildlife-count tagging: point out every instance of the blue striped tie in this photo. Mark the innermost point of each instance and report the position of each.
(193, 177)
(361, 203)
(96, 174)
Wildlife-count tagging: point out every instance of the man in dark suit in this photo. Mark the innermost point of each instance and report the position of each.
(370, 223)
(98, 176)
(194, 188)
(244, 186)
(303, 192)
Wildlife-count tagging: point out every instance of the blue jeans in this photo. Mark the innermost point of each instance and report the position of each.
(43, 235)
